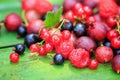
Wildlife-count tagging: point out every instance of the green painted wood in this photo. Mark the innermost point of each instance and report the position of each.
(39, 68)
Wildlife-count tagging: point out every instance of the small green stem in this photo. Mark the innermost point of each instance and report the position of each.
(118, 26)
(23, 16)
(41, 43)
(60, 25)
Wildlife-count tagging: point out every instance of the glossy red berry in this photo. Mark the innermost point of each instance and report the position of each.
(69, 15)
(45, 35)
(28, 4)
(35, 26)
(111, 22)
(55, 39)
(90, 20)
(42, 51)
(80, 13)
(43, 6)
(104, 54)
(14, 57)
(34, 48)
(112, 34)
(76, 7)
(12, 21)
(115, 42)
(93, 64)
(31, 15)
(66, 34)
(78, 10)
(116, 64)
(48, 47)
(87, 11)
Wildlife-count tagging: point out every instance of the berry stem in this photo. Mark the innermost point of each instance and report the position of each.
(41, 43)
(7, 46)
(1, 23)
(23, 16)
(60, 25)
(118, 26)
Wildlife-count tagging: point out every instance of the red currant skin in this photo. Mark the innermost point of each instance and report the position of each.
(77, 6)
(111, 22)
(14, 57)
(66, 34)
(48, 47)
(116, 64)
(103, 54)
(68, 4)
(93, 64)
(87, 11)
(115, 42)
(28, 4)
(12, 22)
(35, 26)
(43, 6)
(112, 34)
(69, 15)
(55, 39)
(91, 20)
(44, 34)
(31, 15)
(34, 48)
(78, 10)
(42, 51)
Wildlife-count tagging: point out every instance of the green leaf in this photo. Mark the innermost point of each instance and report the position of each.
(53, 18)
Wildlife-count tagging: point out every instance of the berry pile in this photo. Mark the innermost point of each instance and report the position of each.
(79, 31)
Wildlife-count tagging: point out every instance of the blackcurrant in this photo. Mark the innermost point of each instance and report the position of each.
(22, 31)
(58, 59)
(20, 48)
(31, 39)
(67, 26)
(43, 17)
(117, 51)
(79, 30)
(107, 43)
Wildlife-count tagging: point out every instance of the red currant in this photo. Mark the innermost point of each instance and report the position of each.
(31, 15)
(111, 22)
(115, 42)
(48, 47)
(42, 51)
(69, 15)
(43, 6)
(112, 34)
(66, 34)
(91, 19)
(14, 57)
(79, 13)
(35, 26)
(87, 11)
(76, 7)
(55, 39)
(44, 34)
(28, 4)
(93, 64)
(34, 48)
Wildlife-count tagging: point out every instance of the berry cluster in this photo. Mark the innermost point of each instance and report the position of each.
(81, 31)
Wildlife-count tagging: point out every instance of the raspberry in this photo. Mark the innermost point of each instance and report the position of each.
(79, 58)
(64, 48)
(107, 8)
